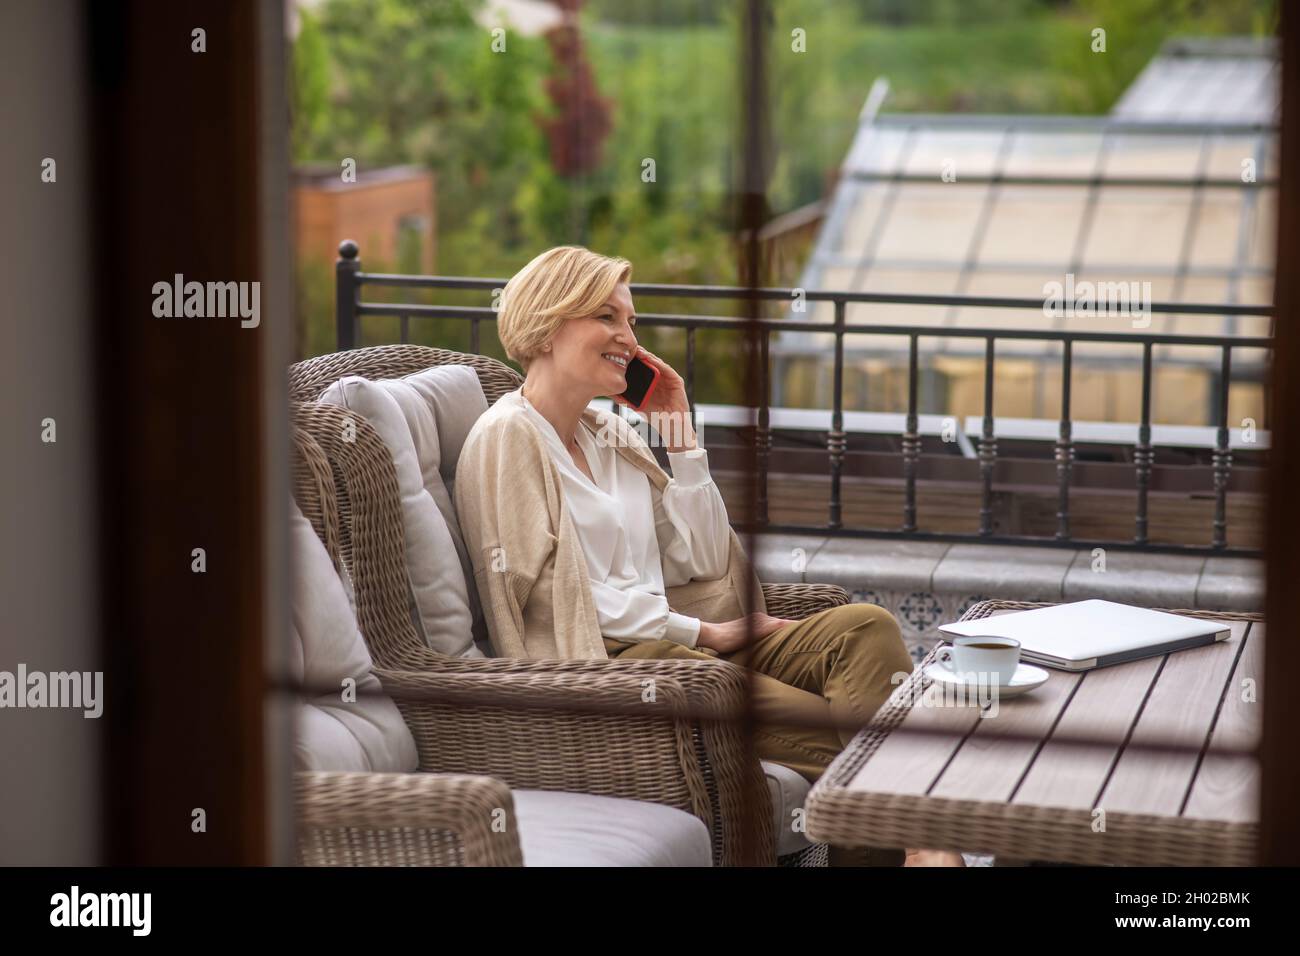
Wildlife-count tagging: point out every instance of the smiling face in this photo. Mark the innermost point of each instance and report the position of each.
(595, 349)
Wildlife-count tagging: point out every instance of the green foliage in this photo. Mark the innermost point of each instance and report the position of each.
(947, 14)
(416, 81)
(310, 79)
(1135, 31)
(677, 13)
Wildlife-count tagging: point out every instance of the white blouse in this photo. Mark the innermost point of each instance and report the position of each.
(637, 540)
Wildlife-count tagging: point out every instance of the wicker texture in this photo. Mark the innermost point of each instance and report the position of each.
(798, 601)
(855, 818)
(714, 772)
(309, 378)
(313, 490)
(539, 732)
(817, 854)
(404, 819)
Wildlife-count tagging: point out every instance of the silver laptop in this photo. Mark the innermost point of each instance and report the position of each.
(1088, 634)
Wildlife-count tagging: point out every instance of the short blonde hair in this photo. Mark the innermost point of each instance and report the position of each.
(567, 282)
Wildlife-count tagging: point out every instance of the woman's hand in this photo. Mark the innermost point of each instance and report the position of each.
(668, 398)
(669, 393)
(733, 635)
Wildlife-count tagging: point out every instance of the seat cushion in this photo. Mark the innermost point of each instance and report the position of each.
(580, 829)
(424, 420)
(346, 728)
(789, 790)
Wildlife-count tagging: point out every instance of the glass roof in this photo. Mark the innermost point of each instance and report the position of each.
(1002, 206)
(1205, 81)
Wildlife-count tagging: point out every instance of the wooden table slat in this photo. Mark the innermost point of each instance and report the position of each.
(1226, 785)
(1180, 709)
(992, 761)
(911, 763)
(1104, 708)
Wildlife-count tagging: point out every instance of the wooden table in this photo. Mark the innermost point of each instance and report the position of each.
(1012, 783)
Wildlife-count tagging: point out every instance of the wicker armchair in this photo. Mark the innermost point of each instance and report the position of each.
(504, 717)
(478, 733)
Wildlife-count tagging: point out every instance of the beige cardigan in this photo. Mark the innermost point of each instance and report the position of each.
(531, 575)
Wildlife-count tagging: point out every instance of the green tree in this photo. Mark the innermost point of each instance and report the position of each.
(310, 92)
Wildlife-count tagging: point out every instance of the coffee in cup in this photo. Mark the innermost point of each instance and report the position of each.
(986, 658)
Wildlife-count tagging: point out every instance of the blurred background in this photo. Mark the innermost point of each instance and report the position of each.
(469, 158)
(458, 139)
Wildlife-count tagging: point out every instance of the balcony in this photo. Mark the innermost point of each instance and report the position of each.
(927, 514)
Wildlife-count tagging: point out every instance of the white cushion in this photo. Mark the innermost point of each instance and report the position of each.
(364, 733)
(580, 829)
(789, 791)
(424, 419)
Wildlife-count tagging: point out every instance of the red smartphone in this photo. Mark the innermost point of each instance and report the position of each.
(641, 380)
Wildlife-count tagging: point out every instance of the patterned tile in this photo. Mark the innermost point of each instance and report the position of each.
(919, 614)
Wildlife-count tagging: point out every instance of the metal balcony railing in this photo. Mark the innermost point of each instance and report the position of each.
(350, 308)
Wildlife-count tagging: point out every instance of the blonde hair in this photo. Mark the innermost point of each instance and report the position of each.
(567, 282)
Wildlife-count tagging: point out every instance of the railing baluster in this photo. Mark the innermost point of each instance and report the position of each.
(988, 451)
(1222, 456)
(763, 434)
(1064, 447)
(1143, 453)
(346, 294)
(473, 337)
(911, 440)
(835, 437)
(404, 335)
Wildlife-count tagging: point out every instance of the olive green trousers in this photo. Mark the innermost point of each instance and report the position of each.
(815, 683)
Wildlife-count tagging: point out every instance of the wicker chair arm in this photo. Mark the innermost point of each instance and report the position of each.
(404, 819)
(712, 689)
(610, 734)
(797, 601)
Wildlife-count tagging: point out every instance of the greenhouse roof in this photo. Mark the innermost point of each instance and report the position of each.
(1006, 205)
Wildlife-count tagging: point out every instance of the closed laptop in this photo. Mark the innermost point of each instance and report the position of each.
(1087, 634)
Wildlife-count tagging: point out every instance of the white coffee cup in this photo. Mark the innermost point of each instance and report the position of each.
(983, 659)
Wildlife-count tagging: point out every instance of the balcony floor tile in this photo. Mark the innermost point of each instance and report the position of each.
(777, 557)
(1231, 584)
(1011, 572)
(877, 564)
(1149, 580)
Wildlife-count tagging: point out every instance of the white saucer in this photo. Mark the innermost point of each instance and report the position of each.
(1026, 678)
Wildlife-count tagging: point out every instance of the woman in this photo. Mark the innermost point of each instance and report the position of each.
(583, 547)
